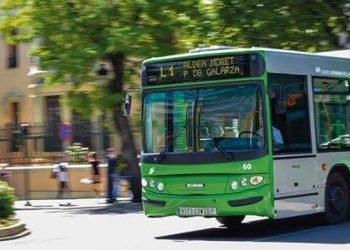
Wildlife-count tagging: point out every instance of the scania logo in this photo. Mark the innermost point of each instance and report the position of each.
(195, 185)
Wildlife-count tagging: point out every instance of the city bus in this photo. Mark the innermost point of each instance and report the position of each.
(231, 132)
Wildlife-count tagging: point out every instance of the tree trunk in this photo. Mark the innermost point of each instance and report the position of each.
(123, 127)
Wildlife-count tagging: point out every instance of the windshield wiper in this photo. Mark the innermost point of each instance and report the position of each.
(216, 144)
(165, 149)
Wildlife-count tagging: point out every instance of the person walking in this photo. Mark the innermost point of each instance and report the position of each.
(95, 172)
(60, 172)
(112, 175)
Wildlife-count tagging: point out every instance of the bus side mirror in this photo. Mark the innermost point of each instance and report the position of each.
(127, 105)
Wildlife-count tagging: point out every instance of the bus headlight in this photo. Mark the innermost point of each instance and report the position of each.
(152, 183)
(160, 186)
(234, 185)
(144, 182)
(244, 182)
(255, 180)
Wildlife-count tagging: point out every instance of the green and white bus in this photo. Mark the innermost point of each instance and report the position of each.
(232, 132)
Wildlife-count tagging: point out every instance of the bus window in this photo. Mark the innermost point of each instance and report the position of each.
(230, 117)
(289, 113)
(332, 109)
(204, 119)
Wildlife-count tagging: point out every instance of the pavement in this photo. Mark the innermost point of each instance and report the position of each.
(67, 203)
(121, 205)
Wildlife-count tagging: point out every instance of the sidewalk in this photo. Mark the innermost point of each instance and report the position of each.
(67, 203)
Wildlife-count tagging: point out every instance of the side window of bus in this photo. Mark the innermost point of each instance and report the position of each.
(332, 109)
(289, 113)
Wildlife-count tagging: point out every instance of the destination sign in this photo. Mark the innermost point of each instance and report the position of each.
(204, 69)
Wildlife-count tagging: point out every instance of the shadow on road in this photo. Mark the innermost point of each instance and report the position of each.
(310, 229)
(115, 208)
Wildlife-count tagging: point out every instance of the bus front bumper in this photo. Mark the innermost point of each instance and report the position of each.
(252, 202)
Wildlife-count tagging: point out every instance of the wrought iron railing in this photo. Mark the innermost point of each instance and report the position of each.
(41, 143)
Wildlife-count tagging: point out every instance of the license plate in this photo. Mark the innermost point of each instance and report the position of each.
(196, 211)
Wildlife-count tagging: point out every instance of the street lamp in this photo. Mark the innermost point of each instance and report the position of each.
(103, 71)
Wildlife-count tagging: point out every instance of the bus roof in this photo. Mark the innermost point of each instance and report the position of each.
(337, 53)
(210, 51)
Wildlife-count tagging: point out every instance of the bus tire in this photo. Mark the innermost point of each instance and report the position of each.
(336, 199)
(230, 221)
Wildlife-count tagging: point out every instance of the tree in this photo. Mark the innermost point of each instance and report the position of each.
(301, 24)
(77, 34)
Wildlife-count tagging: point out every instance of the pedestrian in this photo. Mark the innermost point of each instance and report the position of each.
(112, 176)
(60, 173)
(95, 172)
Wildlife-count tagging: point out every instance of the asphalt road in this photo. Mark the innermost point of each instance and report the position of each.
(123, 226)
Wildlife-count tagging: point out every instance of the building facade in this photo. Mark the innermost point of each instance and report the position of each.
(36, 125)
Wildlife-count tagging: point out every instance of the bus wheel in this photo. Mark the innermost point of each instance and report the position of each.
(230, 221)
(337, 199)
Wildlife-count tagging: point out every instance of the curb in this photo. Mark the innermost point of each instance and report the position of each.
(71, 204)
(61, 206)
(74, 207)
(15, 231)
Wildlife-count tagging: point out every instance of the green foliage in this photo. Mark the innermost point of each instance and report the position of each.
(85, 103)
(7, 199)
(300, 24)
(81, 101)
(105, 99)
(75, 35)
(78, 33)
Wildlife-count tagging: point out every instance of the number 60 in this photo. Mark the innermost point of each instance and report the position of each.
(247, 166)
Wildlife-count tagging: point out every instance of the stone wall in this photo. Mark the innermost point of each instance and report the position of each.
(34, 182)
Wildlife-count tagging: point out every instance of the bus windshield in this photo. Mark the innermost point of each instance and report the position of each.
(204, 119)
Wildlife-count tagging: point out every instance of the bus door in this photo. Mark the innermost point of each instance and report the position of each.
(294, 165)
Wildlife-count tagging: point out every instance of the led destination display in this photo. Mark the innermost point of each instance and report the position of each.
(203, 69)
